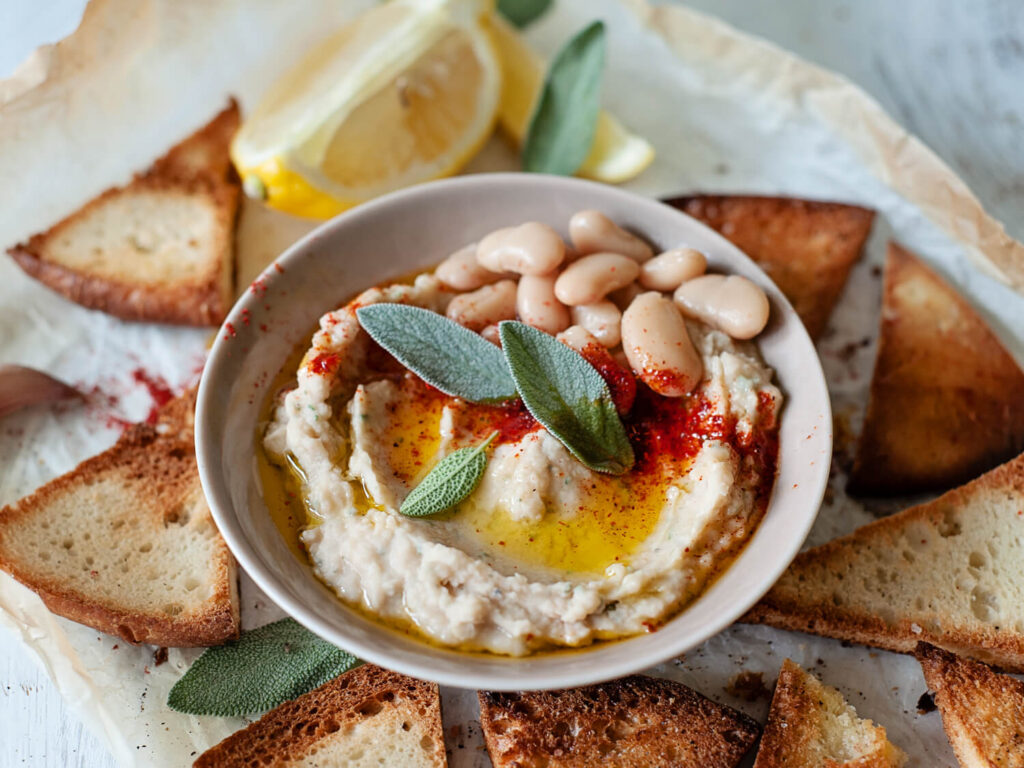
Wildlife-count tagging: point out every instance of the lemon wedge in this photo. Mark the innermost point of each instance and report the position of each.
(617, 155)
(406, 92)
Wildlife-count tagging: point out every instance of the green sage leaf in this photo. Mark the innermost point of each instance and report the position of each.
(449, 483)
(568, 396)
(265, 667)
(564, 121)
(447, 356)
(522, 12)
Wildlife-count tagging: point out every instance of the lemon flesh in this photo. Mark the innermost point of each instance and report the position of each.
(406, 92)
(424, 129)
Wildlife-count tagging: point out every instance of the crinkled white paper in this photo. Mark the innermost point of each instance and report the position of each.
(726, 112)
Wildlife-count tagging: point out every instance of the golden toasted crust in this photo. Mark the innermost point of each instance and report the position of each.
(286, 735)
(198, 303)
(630, 723)
(982, 711)
(197, 168)
(796, 733)
(792, 723)
(806, 247)
(926, 564)
(947, 400)
(205, 152)
(160, 458)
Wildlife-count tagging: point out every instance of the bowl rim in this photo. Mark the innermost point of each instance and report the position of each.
(221, 505)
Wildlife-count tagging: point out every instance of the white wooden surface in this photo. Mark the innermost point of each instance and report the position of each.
(951, 72)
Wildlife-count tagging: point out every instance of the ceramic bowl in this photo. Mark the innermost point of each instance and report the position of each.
(412, 230)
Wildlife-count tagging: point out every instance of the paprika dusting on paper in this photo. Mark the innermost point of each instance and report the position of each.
(103, 405)
(158, 389)
(105, 401)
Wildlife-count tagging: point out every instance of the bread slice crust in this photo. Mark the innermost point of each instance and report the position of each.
(197, 169)
(633, 722)
(803, 710)
(154, 466)
(946, 400)
(290, 734)
(808, 248)
(934, 568)
(982, 710)
(205, 153)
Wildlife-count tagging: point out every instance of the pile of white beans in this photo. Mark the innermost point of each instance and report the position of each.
(609, 288)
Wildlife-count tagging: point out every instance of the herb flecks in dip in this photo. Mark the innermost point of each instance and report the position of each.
(544, 551)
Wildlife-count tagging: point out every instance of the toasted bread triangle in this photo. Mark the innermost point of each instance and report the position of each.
(810, 725)
(806, 247)
(125, 542)
(982, 710)
(947, 400)
(366, 717)
(206, 153)
(945, 572)
(630, 723)
(159, 249)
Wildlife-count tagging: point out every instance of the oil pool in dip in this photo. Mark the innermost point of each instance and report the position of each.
(545, 552)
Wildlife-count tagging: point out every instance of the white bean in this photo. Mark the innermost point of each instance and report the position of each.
(571, 255)
(484, 306)
(490, 333)
(462, 272)
(584, 342)
(623, 297)
(603, 319)
(658, 346)
(593, 277)
(593, 232)
(668, 270)
(579, 338)
(730, 303)
(536, 304)
(529, 249)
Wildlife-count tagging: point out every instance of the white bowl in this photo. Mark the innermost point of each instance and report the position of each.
(411, 230)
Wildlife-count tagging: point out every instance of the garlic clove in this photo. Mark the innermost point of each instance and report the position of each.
(21, 387)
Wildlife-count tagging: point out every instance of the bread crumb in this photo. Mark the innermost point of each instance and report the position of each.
(748, 686)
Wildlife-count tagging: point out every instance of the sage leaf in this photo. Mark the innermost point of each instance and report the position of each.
(449, 483)
(444, 354)
(564, 121)
(265, 667)
(568, 396)
(522, 12)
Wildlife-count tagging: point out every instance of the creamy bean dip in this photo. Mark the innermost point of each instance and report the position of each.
(545, 552)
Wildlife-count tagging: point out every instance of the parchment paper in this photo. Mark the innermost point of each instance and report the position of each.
(726, 113)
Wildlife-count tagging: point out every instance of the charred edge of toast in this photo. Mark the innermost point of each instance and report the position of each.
(293, 729)
(532, 723)
(990, 424)
(204, 304)
(1001, 646)
(170, 442)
